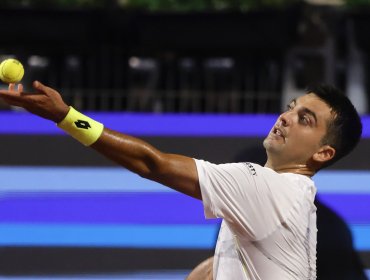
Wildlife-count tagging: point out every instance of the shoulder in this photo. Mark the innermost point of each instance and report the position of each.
(241, 169)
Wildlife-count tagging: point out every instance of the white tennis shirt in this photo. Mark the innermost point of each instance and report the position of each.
(269, 228)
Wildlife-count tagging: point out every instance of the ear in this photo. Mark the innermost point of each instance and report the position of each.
(325, 153)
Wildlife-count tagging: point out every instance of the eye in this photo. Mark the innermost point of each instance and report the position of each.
(304, 119)
(289, 107)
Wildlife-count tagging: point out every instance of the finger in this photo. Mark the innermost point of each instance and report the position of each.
(20, 88)
(36, 84)
(12, 91)
(39, 86)
(11, 87)
(9, 93)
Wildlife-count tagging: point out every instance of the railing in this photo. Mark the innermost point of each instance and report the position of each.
(148, 84)
(172, 101)
(215, 62)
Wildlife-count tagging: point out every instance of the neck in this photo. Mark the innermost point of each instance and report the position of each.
(302, 169)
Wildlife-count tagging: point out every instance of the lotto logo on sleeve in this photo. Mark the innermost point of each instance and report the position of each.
(251, 169)
(82, 124)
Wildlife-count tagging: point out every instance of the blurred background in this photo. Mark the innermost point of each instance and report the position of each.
(204, 78)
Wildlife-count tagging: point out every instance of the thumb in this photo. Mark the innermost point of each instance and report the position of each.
(39, 86)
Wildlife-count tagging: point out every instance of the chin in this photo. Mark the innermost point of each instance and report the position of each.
(271, 147)
(267, 144)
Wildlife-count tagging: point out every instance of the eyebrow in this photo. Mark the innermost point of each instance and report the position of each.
(305, 110)
(293, 101)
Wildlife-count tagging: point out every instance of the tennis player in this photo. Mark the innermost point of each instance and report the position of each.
(269, 229)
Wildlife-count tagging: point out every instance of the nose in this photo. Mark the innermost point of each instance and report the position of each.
(285, 119)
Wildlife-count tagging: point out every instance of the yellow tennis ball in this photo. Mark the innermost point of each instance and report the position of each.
(11, 71)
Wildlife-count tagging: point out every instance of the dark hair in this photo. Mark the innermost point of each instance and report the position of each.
(345, 129)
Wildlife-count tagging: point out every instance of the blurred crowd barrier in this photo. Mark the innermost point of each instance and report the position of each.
(216, 62)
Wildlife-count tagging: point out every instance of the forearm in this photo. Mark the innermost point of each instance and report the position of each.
(129, 152)
(175, 171)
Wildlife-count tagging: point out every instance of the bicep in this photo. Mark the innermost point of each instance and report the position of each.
(179, 173)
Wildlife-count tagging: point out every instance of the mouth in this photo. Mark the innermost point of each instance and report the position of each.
(278, 132)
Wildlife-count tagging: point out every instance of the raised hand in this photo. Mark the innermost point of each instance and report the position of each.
(44, 102)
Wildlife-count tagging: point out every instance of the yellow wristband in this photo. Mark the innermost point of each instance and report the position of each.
(81, 127)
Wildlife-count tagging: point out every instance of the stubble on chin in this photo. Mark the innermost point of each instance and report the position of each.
(270, 145)
(267, 143)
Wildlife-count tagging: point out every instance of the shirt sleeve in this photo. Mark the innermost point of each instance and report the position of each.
(252, 199)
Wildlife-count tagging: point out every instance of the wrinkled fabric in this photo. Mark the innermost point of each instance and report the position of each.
(269, 221)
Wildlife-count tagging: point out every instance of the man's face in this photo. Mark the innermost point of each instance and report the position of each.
(298, 132)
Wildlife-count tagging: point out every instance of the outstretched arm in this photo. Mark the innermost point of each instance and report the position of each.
(175, 171)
